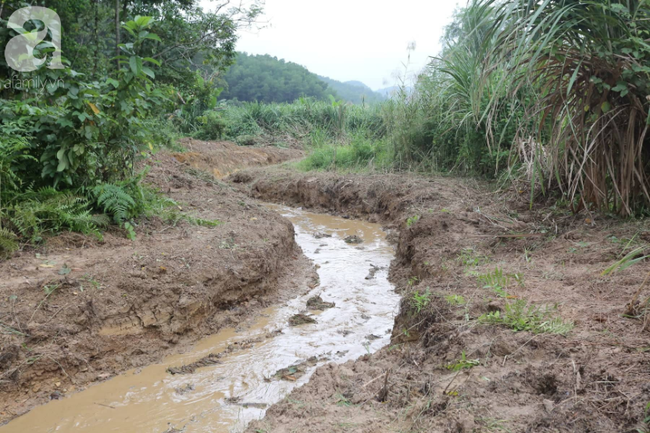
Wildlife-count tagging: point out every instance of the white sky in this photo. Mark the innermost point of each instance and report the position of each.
(363, 40)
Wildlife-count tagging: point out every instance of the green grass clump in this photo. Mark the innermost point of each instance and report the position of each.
(470, 257)
(521, 316)
(360, 153)
(498, 281)
(421, 300)
(463, 363)
(456, 300)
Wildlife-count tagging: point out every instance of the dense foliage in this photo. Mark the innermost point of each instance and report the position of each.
(262, 78)
(71, 138)
(554, 91)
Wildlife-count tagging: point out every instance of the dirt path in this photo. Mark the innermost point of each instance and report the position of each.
(506, 324)
(80, 311)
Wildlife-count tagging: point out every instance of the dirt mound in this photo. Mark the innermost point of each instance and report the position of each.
(506, 324)
(80, 310)
(222, 158)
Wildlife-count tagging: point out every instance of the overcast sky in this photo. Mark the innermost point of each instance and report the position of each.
(363, 40)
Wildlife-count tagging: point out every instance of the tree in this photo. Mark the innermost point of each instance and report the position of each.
(264, 78)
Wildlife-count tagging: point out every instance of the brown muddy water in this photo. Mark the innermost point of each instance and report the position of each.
(225, 397)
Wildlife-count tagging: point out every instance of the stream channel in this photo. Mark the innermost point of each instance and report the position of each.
(260, 364)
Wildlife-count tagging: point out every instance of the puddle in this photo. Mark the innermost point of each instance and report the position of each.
(226, 396)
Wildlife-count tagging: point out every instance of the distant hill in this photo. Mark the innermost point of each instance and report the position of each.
(358, 84)
(263, 78)
(353, 91)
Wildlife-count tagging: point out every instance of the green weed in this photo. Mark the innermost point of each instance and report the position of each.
(463, 363)
(420, 301)
(520, 316)
(456, 300)
(499, 282)
(341, 400)
(412, 220)
(636, 256)
(469, 257)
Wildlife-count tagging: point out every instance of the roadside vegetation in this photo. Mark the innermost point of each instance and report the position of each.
(74, 141)
(551, 96)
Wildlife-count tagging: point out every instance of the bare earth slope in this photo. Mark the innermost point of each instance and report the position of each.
(446, 369)
(80, 310)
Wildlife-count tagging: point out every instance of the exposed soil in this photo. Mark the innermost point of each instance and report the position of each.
(222, 158)
(79, 310)
(448, 371)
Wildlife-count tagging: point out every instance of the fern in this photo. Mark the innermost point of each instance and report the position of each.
(49, 210)
(115, 201)
(8, 243)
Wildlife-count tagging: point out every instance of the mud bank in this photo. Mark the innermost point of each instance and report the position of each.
(229, 378)
(79, 311)
(507, 322)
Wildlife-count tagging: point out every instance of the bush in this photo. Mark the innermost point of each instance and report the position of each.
(361, 152)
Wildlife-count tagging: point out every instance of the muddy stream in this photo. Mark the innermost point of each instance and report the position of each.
(257, 366)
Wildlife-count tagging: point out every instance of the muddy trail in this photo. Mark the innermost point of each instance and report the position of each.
(230, 378)
(506, 321)
(78, 310)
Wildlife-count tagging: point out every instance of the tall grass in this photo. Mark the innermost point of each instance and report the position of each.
(589, 63)
(243, 121)
(355, 152)
(554, 91)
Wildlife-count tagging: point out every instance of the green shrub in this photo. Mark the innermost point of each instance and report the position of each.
(361, 152)
(520, 316)
(213, 126)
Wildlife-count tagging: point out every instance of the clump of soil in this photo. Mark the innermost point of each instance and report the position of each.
(373, 270)
(296, 371)
(322, 235)
(317, 303)
(300, 319)
(211, 359)
(353, 239)
(221, 158)
(182, 390)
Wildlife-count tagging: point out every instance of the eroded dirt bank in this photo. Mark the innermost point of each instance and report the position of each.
(506, 324)
(79, 310)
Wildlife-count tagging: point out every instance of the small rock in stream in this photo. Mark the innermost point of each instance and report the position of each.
(181, 390)
(354, 239)
(294, 372)
(373, 270)
(301, 319)
(317, 303)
